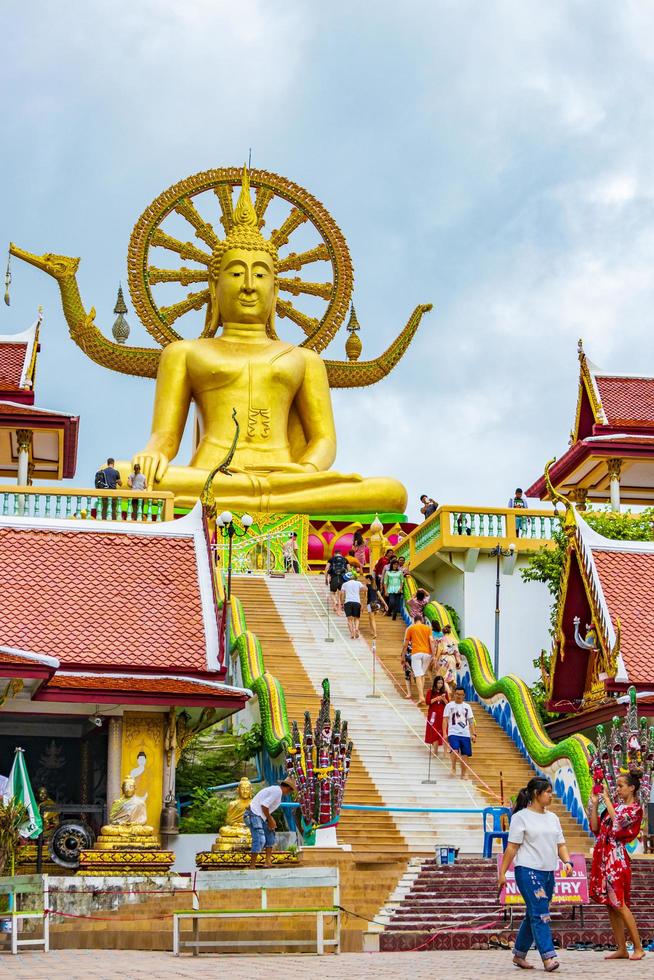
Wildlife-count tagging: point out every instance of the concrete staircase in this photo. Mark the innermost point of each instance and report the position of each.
(494, 751)
(289, 616)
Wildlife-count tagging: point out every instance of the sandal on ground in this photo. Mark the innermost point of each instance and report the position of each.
(551, 964)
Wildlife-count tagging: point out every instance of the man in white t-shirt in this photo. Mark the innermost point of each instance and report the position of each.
(459, 729)
(261, 821)
(354, 593)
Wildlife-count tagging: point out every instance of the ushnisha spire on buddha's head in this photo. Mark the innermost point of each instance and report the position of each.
(244, 233)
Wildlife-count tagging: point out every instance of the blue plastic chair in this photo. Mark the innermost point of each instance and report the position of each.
(497, 812)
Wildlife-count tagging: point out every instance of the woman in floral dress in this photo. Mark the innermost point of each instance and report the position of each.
(610, 875)
(437, 698)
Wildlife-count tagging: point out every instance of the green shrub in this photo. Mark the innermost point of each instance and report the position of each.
(206, 814)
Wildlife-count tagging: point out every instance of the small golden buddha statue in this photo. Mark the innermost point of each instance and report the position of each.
(280, 392)
(127, 826)
(50, 816)
(234, 835)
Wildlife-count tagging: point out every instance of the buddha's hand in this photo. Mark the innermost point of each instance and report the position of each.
(153, 466)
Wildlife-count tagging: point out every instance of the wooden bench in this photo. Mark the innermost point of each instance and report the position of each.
(262, 880)
(15, 888)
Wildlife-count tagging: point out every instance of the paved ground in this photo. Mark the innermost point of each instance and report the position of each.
(119, 965)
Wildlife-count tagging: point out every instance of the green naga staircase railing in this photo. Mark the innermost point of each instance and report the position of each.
(245, 645)
(509, 701)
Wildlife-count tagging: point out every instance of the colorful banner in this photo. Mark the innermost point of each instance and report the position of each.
(569, 889)
(19, 787)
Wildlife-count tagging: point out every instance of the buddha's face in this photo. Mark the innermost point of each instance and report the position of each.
(129, 788)
(245, 291)
(245, 789)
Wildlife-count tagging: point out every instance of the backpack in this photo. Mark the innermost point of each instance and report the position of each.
(338, 564)
(100, 481)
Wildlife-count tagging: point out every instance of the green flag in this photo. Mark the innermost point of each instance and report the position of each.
(20, 788)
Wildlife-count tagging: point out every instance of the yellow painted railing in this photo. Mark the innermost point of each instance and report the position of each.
(460, 528)
(73, 503)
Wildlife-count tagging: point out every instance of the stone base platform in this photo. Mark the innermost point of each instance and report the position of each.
(217, 860)
(128, 862)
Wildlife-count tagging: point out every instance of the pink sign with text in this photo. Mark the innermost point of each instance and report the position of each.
(569, 889)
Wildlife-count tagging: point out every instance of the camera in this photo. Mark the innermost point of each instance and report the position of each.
(96, 720)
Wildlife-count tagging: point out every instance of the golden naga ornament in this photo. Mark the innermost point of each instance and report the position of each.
(240, 281)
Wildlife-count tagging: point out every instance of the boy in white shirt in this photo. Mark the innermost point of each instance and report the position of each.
(261, 821)
(459, 729)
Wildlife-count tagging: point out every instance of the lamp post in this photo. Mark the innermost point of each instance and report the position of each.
(225, 524)
(497, 553)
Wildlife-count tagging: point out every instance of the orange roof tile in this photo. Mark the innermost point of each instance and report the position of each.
(12, 360)
(127, 600)
(141, 684)
(627, 401)
(627, 579)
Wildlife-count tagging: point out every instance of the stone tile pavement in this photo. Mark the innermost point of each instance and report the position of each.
(465, 965)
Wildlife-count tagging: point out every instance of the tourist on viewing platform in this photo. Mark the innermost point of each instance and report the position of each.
(136, 481)
(381, 565)
(459, 729)
(416, 605)
(353, 594)
(334, 574)
(429, 506)
(290, 552)
(535, 845)
(259, 818)
(392, 582)
(448, 660)
(418, 637)
(437, 698)
(360, 548)
(108, 478)
(518, 500)
(374, 604)
(610, 874)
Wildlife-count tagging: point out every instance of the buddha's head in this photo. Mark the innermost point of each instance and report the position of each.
(243, 271)
(245, 789)
(128, 787)
(42, 794)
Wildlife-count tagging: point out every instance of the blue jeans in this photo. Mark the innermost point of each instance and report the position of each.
(262, 836)
(537, 888)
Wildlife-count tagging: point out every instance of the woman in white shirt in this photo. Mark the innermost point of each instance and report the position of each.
(535, 845)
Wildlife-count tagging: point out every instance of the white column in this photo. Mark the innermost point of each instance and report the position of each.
(24, 442)
(614, 467)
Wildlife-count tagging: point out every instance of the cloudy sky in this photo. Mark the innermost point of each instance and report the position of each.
(493, 158)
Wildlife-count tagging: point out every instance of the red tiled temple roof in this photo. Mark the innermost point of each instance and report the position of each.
(102, 599)
(627, 401)
(12, 362)
(627, 580)
(133, 683)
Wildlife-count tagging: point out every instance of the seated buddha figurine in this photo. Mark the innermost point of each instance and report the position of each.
(127, 826)
(280, 392)
(234, 835)
(49, 814)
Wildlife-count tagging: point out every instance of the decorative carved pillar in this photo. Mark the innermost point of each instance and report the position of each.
(614, 467)
(114, 753)
(84, 770)
(579, 496)
(24, 442)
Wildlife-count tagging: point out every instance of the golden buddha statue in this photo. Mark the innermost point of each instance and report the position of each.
(234, 835)
(51, 818)
(280, 391)
(127, 826)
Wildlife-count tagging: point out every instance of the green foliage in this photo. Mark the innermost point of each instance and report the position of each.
(538, 691)
(12, 817)
(456, 619)
(206, 814)
(215, 757)
(546, 565)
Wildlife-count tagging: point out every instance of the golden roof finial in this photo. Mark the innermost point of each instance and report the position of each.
(244, 232)
(569, 521)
